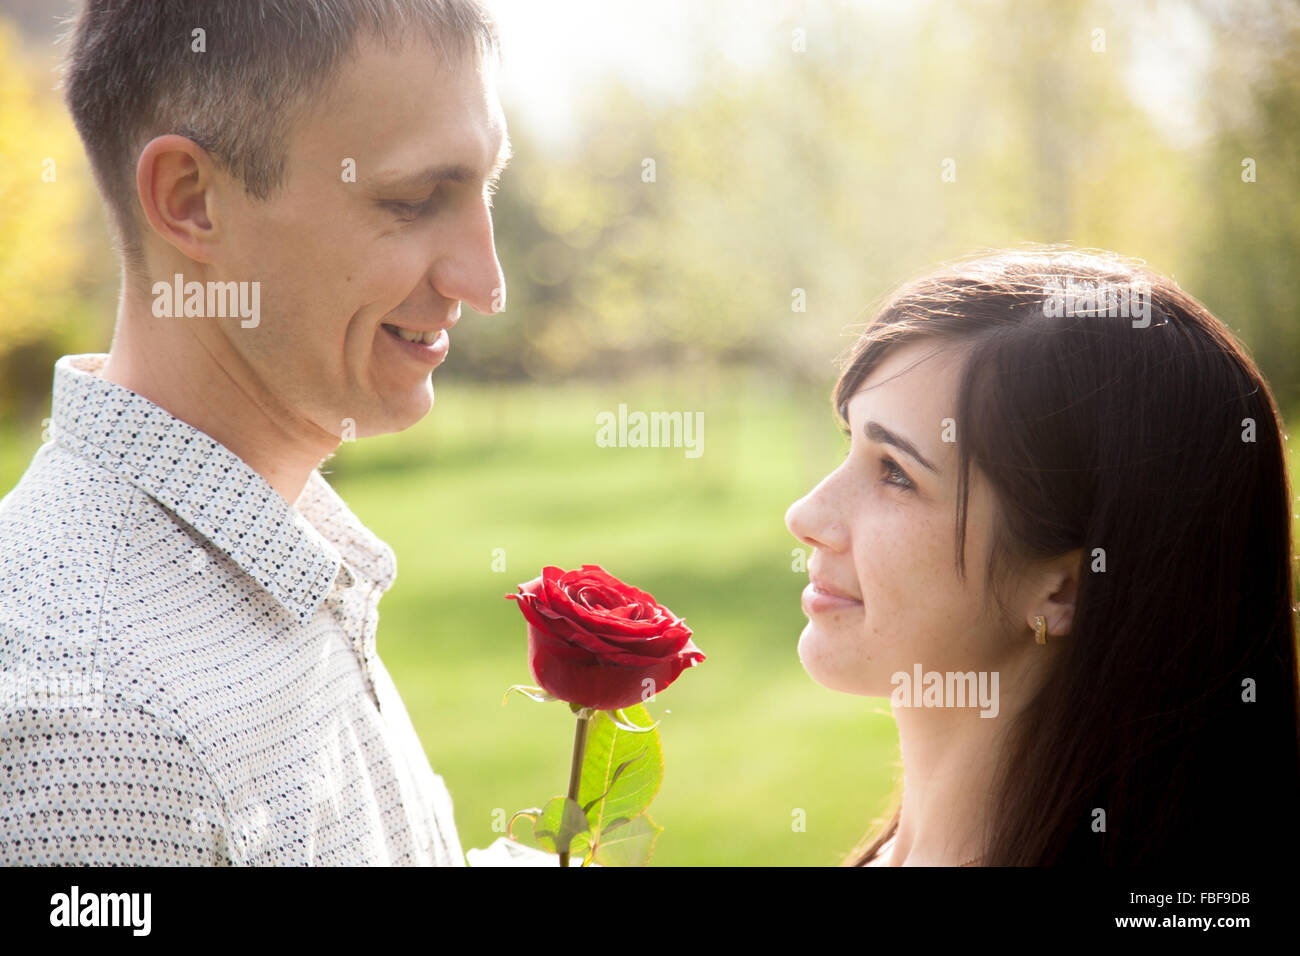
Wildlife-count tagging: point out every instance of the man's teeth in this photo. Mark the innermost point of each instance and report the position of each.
(423, 338)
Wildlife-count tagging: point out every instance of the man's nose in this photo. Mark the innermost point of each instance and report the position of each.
(472, 273)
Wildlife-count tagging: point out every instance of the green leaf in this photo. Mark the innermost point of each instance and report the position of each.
(562, 827)
(621, 770)
(617, 773)
(628, 842)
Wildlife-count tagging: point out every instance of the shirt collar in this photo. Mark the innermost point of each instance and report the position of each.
(297, 553)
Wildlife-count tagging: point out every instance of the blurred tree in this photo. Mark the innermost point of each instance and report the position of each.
(1247, 231)
(786, 199)
(755, 217)
(47, 224)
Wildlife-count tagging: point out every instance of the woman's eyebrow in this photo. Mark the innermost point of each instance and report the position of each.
(879, 433)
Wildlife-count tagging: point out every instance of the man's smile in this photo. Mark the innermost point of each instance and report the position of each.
(427, 346)
(418, 336)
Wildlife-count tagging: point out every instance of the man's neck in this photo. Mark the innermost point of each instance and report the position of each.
(202, 383)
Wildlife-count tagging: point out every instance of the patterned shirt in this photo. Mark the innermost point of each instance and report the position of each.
(188, 671)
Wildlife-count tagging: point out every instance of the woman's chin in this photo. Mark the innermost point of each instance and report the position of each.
(838, 667)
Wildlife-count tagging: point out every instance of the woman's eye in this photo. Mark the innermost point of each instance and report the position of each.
(895, 475)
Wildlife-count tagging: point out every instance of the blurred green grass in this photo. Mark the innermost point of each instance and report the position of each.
(750, 738)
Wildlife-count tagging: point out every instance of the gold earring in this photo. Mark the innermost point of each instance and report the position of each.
(1040, 629)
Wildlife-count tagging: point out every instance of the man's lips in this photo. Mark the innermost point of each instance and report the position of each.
(430, 353)
(415, 334)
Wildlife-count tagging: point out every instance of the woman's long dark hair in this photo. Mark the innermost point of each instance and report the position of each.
(1156, 448)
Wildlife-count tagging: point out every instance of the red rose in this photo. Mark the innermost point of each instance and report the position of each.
(593, 640)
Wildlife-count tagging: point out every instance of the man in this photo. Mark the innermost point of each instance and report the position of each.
(298, 189)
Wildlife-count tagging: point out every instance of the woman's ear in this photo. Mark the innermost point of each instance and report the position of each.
(1053, 593)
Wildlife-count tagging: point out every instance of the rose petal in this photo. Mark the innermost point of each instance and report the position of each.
(595, 640)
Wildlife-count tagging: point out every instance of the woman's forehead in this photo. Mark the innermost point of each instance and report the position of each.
(911, 371)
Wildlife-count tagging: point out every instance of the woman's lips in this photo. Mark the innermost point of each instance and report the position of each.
(819, 598)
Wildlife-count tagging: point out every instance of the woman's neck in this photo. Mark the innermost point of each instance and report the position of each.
(949, 764)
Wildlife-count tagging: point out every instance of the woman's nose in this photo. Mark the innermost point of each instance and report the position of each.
(794, 519)
(812, 521)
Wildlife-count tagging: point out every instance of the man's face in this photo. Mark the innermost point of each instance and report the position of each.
(342, 261)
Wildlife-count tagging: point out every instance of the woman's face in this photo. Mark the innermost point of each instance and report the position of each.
(882, 527)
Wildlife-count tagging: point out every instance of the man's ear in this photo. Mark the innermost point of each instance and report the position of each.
(174, 182)
(1053, 593)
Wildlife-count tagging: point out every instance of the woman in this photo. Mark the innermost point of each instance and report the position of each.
(1065, 495)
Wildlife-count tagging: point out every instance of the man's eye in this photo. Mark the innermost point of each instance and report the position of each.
(410, 210)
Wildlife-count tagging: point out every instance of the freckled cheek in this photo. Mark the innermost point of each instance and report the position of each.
(903, 564)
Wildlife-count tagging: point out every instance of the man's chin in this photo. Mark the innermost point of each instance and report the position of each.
(410, 409)
(394, 413)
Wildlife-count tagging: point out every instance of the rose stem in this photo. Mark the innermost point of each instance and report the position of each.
(575, 769)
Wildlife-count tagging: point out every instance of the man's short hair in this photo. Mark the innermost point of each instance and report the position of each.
(132, 73)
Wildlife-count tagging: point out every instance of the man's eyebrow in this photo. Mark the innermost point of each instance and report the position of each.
(446, 173)
(879, 433)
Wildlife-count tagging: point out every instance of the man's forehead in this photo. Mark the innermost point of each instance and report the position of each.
(404, 88)
(374, 59)
(406, 113)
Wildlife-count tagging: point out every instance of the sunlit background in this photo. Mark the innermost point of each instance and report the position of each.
(795, 146)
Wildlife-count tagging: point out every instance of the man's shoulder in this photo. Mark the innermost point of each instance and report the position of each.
(91, 775)
(58, 529)
(58, 489)
(81, 554)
